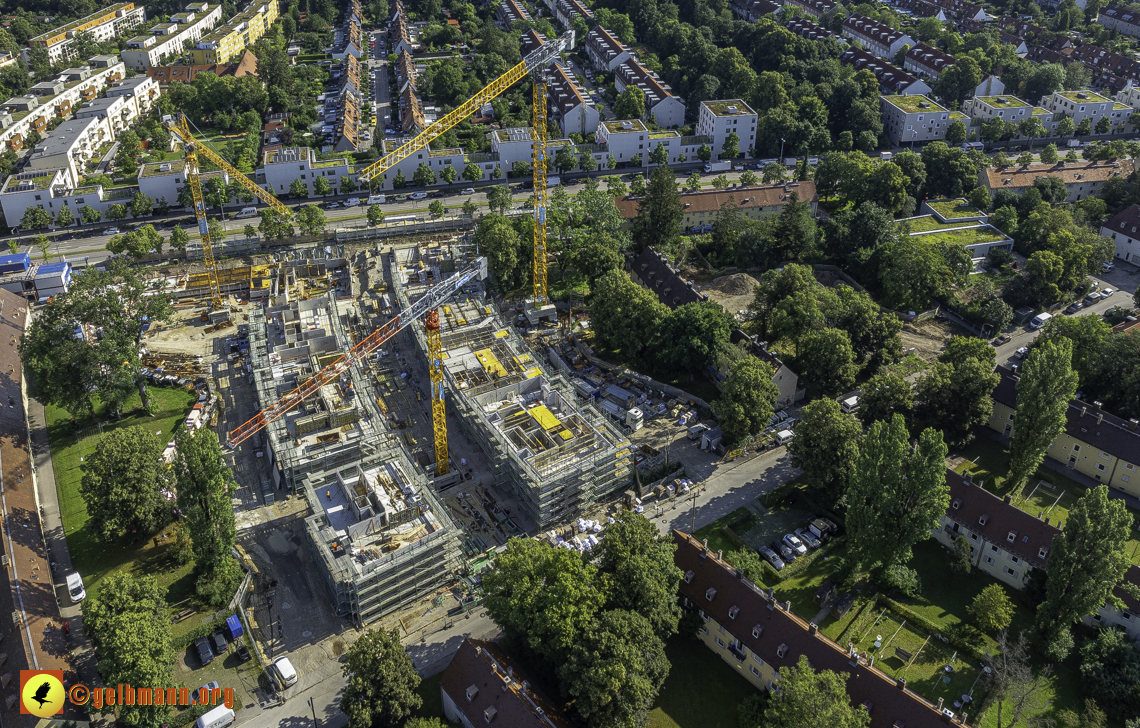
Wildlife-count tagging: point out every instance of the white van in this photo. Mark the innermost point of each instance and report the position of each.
(75, 587)
(849, 405)
(376, 200)
(783, 437)
(219, 717)
(247, 212)
(284, 672)
(1039, 320)
(352, 202)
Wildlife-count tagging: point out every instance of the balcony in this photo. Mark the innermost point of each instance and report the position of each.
(16, 142)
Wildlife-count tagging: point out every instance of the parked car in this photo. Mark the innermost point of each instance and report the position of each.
(771, 557)
(1021, 353)
(1074, 307)
(418, 196)
(208, 686)
(332, 206)
(75, 587)
(352, 202)
(243, 654)
(1107, 292)
(434, 194)
(795, 544)
(205, 654)
(111, 231)
(1092, 298)
(218, 642)
(808, 537)
(1109, 266)
(785, 553)
(467, 191)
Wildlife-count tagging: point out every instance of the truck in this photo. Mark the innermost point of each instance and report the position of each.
(711, 167)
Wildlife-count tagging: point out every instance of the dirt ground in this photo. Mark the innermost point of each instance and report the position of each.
(928, 337)
(733, 292)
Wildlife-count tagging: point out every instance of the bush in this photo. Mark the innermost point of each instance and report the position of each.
(898, 577)
(914, 618)
(181, 643)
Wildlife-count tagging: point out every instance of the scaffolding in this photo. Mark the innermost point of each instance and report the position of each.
(557, 457)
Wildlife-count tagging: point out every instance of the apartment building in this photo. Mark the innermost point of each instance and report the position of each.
(281, 167)
(1095, 443)
(1082, 180)
(167, 41)
(566, 10)
(815, 8)
(927, 61)
(913, 119)
(660, 103)
(24, 114)
(103, 25)
(141, 92)
(569, 104)
(509, 12)
(757, 635)
(1081, 105)
(230, 40)
(1123, 230)
(1007, 543)
(892, 80)
(812, 31)
(71, 145)
(604, 49)
(116, 112)
(1007, 108)
(1122, 20)
(411, 110)
(166, 75)
(701, 208)
(875, 37)
(482, 685)
(718, 119)
(752, 10)
(402, 35)
(531, 41)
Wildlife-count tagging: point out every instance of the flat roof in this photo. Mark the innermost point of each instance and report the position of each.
(1004, 100)
(616, 126)
(1090, 97)
(911, 104)
(64, 137)
(721, 108)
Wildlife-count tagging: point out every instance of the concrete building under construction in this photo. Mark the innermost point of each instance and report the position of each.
(558, 458)
(380, 538)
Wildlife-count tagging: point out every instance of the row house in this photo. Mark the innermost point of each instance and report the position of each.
(1094, 443)
(963, 9)
(239, 33)
(1122, 229)
(166, 41)
(920, 9)
(1020, 28)
(604, 49)
(510, 12)
(927, 61)
(815, 8)
(1008, 544)
(1082, 180)
(166, 75)
(531, 41)
(1098, 58)
(752, 10)
(718, 119)
(757, 635)
(351, 38)
(700, 209)
(660, 103)
(566, 10)
(881, 40)
(24, 114)
(812, 31)
(412, 120)
(1122, 20)
(970, 25)
(913, 119)
(101, 26)
(892, 80)
(402, 35)
(482, 685)
(570, 106)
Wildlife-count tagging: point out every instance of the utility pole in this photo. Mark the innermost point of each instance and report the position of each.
(314, 709)
(781, 151)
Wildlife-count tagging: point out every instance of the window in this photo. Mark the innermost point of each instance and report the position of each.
(984, 517)
(689, 577)
(1011, 572)
(1041, 552)
(1011, 536)
(1105, 455)
(1100, 467)
(757, 631)
(755, 670)
(957, 502)
(974, 536)
(1127, 466)
(1126, 615)
(1096, 617)
(1014, 559)
(1125, 478)
(704, 616)
(733, 611)
(704, 630)
(989, 560)
(710, 593)
(1077, 448)
(993, 548)
(782, 649)
(720, 643)
(759, 660)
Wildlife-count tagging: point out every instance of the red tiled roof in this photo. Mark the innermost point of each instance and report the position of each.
(474, 680)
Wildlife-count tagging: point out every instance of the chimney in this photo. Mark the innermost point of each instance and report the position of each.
(1046, 520)
(788, 606)
(939, 707)
(812, 626)
(706, 543)
(1084, 409)
(1099, 417)
(1134, 424)
(1098, 405)
(720, 555)
(901, 683)
(1008, 498)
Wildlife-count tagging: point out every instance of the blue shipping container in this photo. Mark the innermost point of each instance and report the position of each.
(49, 268)
(15, 263)
(233, 626)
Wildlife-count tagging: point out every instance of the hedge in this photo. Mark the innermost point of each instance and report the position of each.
(181, 643)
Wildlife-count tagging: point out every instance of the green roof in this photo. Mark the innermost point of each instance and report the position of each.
(153, 169)
(616, 126)
(967, 236)
(958, 115)
(665, 135)
(720, 108)
(926, 223)
(950, 209)
(331, 163)
(1090, 97)
(911, 104)
(1118, 106)
(1003, 101)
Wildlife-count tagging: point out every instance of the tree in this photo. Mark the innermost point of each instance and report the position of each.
(748, 178)
(298, 189)
(64, 217)
(205, 486)
(691, 336)
(117, 212)
(638, 573)
(883, 396)
(659, 155)
(720, 182)
(826, 362)
(826, 446)
(274, 225)
(398, 182)
(625, 316)
(1066, 126)
(469, 208)
(1110, 672)
(448, 174)
(991, 609)
(35, 218)
(43, 244)
(731, 147)
(616, 670)
(631, 103)
(375, 215)
(179, 238)
(122, 483)
(615, 187)
(141, 205)
(1085, 127)
(322, 186)
(637, 185)
(587, 163)
(1047, 385)
(437, 209)
(704, 153)
(129, 148)
(773, 173)
(896, 494)
(129, 620)
(1016, 690)
(1104, 125)
(1049, 154)
(67, 372)
(659, 213)
(311, 219)
(137, 242)
(382, 681)
(500, 242)
(250, 232)
(1087, 560)
(499, 199)
(956, 132)
(542, 598)
(564, 160)
(472, 172)
(90, 214)
(347, 185)
(809, 698)
(956, 398)
(747, 399)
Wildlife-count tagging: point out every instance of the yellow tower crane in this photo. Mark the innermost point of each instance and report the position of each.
(534, 65)
(179, 126)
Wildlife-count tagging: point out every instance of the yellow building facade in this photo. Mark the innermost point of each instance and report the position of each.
(230, 40)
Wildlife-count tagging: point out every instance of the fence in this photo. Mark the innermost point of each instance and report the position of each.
(417, 227)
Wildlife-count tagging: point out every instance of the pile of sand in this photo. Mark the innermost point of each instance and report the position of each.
(737, 284)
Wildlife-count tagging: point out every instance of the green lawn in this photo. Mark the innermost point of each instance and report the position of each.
(929, 222)
(950, 209)
(433, 700)
(94, 559)
(701, 690)
(717, 539)
(969, 236)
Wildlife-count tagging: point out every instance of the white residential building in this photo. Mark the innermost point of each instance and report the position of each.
(116, 112)
(570, 105)
(1124, 230)
(1122, 20)
(167, 41)
(70, 145)
(718, 119)
(660, 103)
(875, 37)
(103, 25)
(141, 91)
(1081, 105)
(605, 51)
(913, 119)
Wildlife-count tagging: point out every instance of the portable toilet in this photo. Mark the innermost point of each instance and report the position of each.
(233, 626)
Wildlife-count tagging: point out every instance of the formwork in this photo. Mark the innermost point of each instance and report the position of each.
(380, 537)
(558, 457)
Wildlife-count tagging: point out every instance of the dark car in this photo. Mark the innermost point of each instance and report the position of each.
(205, 654)
(218, 642)
(243, 654)
(785, 553)
(1074, 307)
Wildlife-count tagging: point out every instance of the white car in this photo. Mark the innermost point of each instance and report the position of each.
(418, 196)
(332, 206)
(795, 544)
(467, 191)
(1107, 292)
(352, 202)
(284, 672)
(1021, 353)
(808, 537)
(75, 587)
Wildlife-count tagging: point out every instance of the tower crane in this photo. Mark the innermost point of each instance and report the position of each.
(179, 126)
(533, 65)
